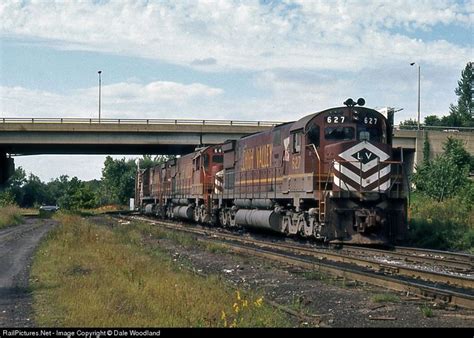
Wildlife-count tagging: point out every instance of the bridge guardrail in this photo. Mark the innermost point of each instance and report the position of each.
(34, 120)
(80, 120)
(448, 129)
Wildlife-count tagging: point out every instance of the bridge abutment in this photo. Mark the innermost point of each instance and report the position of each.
(7, 167)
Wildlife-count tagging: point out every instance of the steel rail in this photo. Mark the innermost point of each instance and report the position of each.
(462, 263)
(425, 291)
(437, 254)
(374, 266)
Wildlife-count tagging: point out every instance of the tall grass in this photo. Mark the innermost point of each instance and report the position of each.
(87, 275)
(10, 215)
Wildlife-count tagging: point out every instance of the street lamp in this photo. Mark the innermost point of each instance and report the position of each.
(100, 84)
(412, 64)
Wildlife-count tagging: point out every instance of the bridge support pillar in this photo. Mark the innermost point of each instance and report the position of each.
(7, 168)
(420, 138)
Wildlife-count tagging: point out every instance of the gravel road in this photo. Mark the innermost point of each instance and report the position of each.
(17, 246)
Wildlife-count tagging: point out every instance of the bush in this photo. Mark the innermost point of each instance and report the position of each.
(446, 225)
(10, 215)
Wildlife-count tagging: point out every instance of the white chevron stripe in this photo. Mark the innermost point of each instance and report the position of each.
(343, 185)
(356, 178)
(384, 186)
(380, 155)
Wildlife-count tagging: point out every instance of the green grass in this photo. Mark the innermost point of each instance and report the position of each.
(385, 298)
(88, 275)
(10, 215)
(426, 311)
(315, 275)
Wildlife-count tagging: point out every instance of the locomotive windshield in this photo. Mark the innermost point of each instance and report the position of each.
(369, 134)
(339, 133)
(218, 158)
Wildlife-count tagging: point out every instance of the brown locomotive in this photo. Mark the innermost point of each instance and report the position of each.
(330, 175)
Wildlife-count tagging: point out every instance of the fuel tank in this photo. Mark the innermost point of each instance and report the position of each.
(262, 219)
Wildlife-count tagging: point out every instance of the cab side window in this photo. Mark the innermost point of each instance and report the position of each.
(314, 135)
(296, 142)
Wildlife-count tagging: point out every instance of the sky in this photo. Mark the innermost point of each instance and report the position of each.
(234, 60)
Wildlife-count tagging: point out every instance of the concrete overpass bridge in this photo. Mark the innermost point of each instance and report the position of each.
(33, 136)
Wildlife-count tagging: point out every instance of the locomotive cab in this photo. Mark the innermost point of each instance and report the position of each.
(359, 189)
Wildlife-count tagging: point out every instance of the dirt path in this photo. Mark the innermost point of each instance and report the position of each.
(17, 246)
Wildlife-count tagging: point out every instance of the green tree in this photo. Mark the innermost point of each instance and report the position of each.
(77, 195)
(448, 173)
(441, 179)
(461, 115)
(147, 161)
(14, 187)
(432, 120)
(454, 148)
(6, 198)
(409, 124)
(426, 149)
(118, 180)
(118, 177)
(35, 192)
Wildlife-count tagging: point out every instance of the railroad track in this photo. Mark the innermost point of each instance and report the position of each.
(440, 261)
(404, 269)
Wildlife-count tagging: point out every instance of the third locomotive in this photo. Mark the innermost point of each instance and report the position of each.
(330, 175)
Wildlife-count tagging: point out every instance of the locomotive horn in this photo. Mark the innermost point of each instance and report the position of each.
(360, 101)
(350, 102)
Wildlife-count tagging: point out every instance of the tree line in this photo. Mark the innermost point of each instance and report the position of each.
(115, 187)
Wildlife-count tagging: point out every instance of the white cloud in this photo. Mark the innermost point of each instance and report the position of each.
(120, 100)
(336, 35)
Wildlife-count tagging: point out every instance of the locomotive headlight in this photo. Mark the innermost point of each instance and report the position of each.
(355, 115)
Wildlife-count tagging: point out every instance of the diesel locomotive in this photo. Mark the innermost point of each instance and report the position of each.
(332, 175)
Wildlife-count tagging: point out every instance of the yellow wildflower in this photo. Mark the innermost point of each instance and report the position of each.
(259, 302)
(245, 303)
(234, 323)
(238, 295)
(223, 316)
(236, 307)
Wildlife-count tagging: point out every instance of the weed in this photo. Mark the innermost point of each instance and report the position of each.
(88, 275)
(215, 248)
(314, 275)
(10, 215)
(385, 298)
(426, 311)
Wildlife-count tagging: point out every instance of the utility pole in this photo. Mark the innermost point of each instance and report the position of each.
(100, 85)
(419, 80)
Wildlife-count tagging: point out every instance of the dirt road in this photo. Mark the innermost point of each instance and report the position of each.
(17, 246)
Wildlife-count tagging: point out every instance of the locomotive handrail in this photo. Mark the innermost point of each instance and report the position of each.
(79, 120)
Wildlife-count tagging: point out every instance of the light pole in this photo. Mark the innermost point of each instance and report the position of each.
(412, 64)
(100, 84)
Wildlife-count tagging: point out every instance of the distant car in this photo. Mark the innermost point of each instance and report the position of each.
(49, 208)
